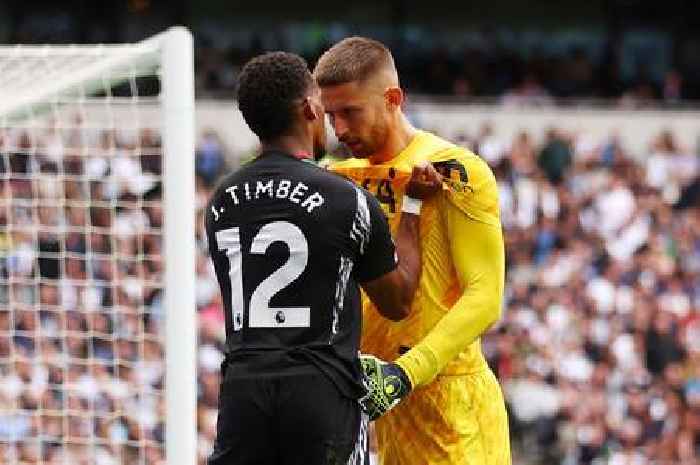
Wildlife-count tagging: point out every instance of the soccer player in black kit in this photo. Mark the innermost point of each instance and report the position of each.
(291, 244)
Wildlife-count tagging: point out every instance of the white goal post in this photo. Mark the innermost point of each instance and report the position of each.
(181, 334)
(97, 253)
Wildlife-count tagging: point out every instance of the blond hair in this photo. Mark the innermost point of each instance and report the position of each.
(353, 59)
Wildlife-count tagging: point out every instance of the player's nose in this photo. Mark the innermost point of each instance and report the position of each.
(339, 127)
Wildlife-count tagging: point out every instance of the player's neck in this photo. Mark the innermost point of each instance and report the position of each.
(400, 137)
(290, 145)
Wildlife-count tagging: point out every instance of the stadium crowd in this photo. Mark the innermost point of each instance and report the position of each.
(516, 71)
(598, 351)
(536, 65)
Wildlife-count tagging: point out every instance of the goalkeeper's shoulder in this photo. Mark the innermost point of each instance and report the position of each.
(469, 183)
(463, 165)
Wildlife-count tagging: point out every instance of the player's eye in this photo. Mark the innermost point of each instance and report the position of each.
(351, 113)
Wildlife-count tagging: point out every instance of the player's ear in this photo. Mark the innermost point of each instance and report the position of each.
(394, 97)
(309, 110)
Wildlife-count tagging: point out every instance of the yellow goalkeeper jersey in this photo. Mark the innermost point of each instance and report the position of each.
(461, 287)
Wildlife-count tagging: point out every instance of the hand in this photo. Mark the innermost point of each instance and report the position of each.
(387, 384)
(424, 183)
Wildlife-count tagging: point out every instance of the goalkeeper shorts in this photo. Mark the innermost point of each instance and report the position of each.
(454, 420)
(299, 419)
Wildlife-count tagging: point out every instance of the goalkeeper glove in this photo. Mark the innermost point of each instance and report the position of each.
(386, 383)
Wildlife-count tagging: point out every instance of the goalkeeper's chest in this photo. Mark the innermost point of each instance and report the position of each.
(387, 184)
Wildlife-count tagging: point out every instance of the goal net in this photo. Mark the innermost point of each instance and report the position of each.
(97, 320)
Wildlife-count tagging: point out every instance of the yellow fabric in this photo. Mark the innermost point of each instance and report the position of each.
(459, 296)
(455, 420)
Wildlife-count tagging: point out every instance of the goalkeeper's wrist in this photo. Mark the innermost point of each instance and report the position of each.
(411, 205)
(420, 365)
(403, 375)
(401, 364)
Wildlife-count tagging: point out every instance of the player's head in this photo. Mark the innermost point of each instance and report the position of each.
(360, 91)
(278, 97)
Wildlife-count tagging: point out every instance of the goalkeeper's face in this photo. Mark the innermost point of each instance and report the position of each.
(359, 115)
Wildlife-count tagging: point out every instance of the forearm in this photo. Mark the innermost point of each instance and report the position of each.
(465, 322)
(408, 251)
(393, 292)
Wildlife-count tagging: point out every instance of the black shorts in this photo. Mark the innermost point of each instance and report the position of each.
(295, 419)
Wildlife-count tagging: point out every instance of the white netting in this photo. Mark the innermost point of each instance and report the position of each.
(81, 272)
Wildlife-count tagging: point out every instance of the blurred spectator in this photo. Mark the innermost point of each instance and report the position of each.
(673, 86)
(529, 92)
(209, 161)
(579, 73)
(488, 145)
(640, 95)
(662, 346)
(555, 157)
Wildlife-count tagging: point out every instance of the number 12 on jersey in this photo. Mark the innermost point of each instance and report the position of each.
(260, 314)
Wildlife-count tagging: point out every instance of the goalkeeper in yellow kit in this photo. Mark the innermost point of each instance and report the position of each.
(451, 409)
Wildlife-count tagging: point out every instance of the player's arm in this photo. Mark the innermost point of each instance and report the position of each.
(478, 255)
(387, 272)
(393, 292)
(388, 281)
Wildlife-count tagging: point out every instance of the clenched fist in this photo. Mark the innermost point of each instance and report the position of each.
(424, 183)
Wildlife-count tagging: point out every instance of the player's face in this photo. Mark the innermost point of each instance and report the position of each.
(313, 114)
(359, 116)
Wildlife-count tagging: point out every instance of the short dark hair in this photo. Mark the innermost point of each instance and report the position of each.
(267, 88)
(352, 59)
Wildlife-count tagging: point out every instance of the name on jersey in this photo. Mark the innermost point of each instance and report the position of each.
(282, 189)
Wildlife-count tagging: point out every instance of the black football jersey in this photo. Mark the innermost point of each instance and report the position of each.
(290, 242)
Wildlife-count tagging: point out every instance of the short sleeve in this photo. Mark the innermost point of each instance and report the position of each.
(377, 253)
